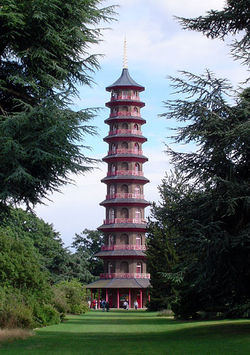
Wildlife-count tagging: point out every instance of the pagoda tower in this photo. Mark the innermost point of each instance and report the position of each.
(125, 277)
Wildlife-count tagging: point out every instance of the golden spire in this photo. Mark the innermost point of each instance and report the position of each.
(125, 59)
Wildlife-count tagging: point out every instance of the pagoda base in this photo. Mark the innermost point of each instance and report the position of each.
(117, 291)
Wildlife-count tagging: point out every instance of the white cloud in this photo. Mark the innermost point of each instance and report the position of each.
(184, 8)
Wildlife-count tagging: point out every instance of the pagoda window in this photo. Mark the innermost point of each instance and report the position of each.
(124, 239)
(111, 214)
(138, 240)
(137, 189)
(124, 166)
(113, 148)
(135, 109)
(138, 214)
(124, 213)
(124, 145)
(124, 125)
(111, 267)
(124, 188)
(138, 268)
(111, 240)
(112, 190)
(113, 168)
(124, 267)
(137, 167)
(136, 127)
(137, 147)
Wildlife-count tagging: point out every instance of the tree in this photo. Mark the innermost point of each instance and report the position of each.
(20, 266)
(56, 260)
(44, 47)
(162, 257)
(211, 219)
(87, 244)
(233, 19)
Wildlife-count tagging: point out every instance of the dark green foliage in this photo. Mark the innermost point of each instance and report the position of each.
(160, 259)
(32, 257)
(233, 19)
(87, 244)
(59, 263)
(20, 265)
(43, 56)
(54, 258)
(207, 219)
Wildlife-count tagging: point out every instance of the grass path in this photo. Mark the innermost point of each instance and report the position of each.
(134, 333)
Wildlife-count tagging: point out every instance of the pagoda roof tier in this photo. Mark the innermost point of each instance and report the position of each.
(120, 283)
(114, 103)
(129, 137)
(121, 227)
(126, 157)
(121, 253)
(134, 119)
(125, 202)
(125, 81)
(125, 178)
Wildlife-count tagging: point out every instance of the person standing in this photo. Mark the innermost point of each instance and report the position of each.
(103, 305)
(136, 304)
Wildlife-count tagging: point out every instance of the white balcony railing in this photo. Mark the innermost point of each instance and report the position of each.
(125, 172)
(125, 131)
(124, 97)
(125, 151)
(123, 247)
(124, 220)
(124, 195)
(120, 275)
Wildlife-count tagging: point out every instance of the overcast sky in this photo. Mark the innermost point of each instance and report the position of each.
(157, 47)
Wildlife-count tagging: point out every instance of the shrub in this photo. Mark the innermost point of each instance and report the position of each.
(59, 301)
(165, 313)
(14, 313)
(46, 314)
(239, 311)
(74, 295)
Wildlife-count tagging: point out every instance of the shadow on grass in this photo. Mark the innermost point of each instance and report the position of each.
(216, 339)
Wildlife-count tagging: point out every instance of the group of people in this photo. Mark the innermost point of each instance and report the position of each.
(126, 305)
(105, 305)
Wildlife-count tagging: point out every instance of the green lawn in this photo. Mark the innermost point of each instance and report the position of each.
(135, 333)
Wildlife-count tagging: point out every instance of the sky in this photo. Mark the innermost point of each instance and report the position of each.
(157, 47)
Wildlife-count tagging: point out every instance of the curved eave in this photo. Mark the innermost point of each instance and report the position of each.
(125, 103)
(121, 253)
(119, 283)
(125, 178)
(128, 137)
(125, 202)
(133, 119)
(125, 82)
(127, 157)
(129, 87)
(120, 227)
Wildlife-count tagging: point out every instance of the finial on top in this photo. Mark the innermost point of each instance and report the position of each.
(125, 59)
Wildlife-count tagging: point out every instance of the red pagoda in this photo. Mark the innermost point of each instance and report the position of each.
(125, 277)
